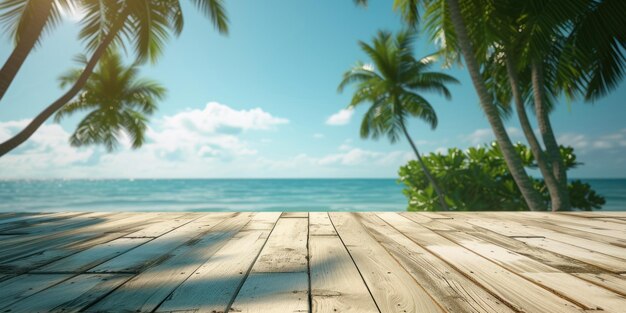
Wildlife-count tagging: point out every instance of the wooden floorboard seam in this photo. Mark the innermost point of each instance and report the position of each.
(234, 296)
(354, 262)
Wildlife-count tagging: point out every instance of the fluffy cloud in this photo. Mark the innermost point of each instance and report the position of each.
(342, 117)
(48, 149)
(485, 135)
(192, 143)
(586, 143)
(347, 162)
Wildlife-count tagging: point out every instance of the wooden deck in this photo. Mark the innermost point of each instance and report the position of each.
(319, 262)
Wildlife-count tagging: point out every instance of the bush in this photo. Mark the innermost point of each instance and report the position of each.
(478, 179)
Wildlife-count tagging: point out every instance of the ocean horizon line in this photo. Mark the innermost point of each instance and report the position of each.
(250, 178)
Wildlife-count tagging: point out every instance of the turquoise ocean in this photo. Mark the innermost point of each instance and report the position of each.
(228, 195)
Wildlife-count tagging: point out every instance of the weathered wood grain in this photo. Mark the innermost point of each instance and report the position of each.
(88, 258)
(286, 248)
(590, 296)
(213, 286)
(320, 225)
(159, 248)
(146, 291)
(336, 284)
(447, 286)
(516, 291)
(273, 292)
(295, 214)
(299, 261)
(393, 289)
(71, 295)
(20, 287)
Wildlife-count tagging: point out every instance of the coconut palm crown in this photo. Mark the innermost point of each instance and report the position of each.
(391, 85)
(117, 101)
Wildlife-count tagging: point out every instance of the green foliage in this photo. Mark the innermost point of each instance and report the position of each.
(477, 179)
(117, 101)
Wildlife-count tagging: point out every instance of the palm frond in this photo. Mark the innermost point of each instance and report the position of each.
(214, 9)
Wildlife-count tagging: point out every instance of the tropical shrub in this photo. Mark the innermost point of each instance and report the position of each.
(477, 179)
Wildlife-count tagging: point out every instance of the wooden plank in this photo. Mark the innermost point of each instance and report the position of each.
(427, 221)
(93, 256)
(278, 280)
(607, 262)
(157, 250)
(295, 214)
(320, 225)
(336, 284)
(589, 296)
(393, 289)
(263, 221)
(451, 289)
(519, 293)
(71, 295)
(285, 255)
(35, 260)
(588, 225)
(527, 236)
(273, 292)
(513, 222)
(213, 286)
(530, 229)
(77, 221)
(595, 214)
(79, 238)
(24, 217)
(146, 291)
(612, 220)
(18, 288)
(161, 228)
(26, 221)
(434, 215)
(597, 275)
(619, 242)
(615, 283)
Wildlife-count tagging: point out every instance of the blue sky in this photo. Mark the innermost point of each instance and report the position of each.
(262, 102)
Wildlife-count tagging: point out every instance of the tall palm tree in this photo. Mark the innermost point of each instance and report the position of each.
(457, 37)
(508, 23)
(561, 46)
(116, 100)
(392, 85)
(25, 20)
(145, 23)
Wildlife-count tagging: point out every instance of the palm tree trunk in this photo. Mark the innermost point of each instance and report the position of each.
(429, 176)
(545, 128)
(513, 160)
(545, 169)
(25, 45)
(30, 129)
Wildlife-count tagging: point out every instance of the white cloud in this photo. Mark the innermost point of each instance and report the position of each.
(578, 141)
(340, 118)
(192, 143)
(485, 135)
(318, 136)
(216, 117)
(47, 149)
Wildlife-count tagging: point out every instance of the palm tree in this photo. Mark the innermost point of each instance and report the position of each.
(117, 102)
(391, 86)
(453, 28)
(25, 20)
(146, 23)
(508, 43)
(560, 46)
